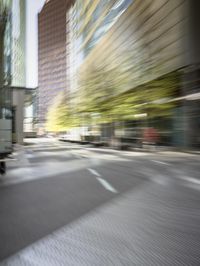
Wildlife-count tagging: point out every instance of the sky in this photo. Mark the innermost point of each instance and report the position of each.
(32, 9)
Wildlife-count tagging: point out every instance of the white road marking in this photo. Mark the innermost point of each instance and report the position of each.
(93, 172)
(107, 185)
(191, 179)
(155, 161)
(103, 182)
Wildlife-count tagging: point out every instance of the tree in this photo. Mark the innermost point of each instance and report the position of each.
(125, 84)
(58, 116)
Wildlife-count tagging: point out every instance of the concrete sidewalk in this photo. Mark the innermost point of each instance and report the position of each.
(149, 150)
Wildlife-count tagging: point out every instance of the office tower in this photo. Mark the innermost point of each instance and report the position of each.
(52, 54)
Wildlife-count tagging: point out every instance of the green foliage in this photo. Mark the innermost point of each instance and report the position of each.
(116, 89)
(112, 87)
(58, 117)
(99, 93)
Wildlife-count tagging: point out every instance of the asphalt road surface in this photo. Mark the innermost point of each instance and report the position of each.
(67, 204)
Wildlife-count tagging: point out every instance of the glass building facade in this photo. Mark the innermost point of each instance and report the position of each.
(15, 42)
(13, 72)
(18, 67)
(92, 19)
(5, 78)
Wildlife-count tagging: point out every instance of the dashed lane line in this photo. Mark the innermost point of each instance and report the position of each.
(102, 181)
(92, 171)
(106, 185)
(190, 179)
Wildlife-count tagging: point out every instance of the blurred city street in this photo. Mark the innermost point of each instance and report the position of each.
(99, 133)
(70, 204)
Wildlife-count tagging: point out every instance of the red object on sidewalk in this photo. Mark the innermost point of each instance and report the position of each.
(150, 135)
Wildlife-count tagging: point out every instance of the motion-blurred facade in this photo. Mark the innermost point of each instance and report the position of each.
(135, 66)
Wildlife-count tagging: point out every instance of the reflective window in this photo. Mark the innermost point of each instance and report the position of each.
(109, 20)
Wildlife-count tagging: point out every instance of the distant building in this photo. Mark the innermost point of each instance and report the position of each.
(53, 51)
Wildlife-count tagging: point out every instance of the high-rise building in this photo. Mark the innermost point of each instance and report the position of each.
(13, 70)
(5, 80)
(18, 67)
(89, 23)
(148, 50)
(52, 54)
(18, 43)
